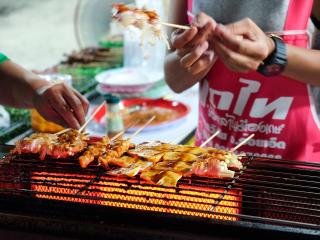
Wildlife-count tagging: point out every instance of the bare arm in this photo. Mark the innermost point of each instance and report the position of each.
(18, 86)
(185, 65)
(303, 65)
(59, 103)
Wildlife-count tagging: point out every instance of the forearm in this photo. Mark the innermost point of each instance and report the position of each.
(18, 86)
(303, 65)
(177, 77)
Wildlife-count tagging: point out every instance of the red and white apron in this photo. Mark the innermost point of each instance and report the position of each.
(278, 110)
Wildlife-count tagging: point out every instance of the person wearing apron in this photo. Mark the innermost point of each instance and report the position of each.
(279, 110)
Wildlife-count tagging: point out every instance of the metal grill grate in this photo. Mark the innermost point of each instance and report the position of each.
(266, 191)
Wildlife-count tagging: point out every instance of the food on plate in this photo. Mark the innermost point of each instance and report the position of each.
(62, 145)
(141, 18)
(162, 115)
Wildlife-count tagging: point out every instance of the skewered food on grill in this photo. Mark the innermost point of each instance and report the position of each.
(156, 162)
(62, 145)
(151, 151)
(178, 166)
(94, 151)
(213, 168)
(129, 166)
(161, 177)
(117, 149)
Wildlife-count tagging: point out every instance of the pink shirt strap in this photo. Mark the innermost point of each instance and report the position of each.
(298, 14)
(190, 11)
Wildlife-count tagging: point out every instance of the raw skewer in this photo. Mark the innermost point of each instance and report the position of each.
(175, 25)
(242, 143)
(91, 117)
(210, 138)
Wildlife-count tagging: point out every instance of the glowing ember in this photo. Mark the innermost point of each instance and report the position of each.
(185, 200)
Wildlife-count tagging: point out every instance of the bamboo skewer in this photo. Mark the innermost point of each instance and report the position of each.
(242, 143)
(141, 128)
(210, 138)
(91, 117)
(175, 25)
(123, 132)
(62, 131)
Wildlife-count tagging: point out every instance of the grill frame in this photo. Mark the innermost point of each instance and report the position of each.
(66, 217)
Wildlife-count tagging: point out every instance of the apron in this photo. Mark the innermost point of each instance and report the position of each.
(278, 110)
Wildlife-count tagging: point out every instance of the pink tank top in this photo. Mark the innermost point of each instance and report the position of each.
(278, 110)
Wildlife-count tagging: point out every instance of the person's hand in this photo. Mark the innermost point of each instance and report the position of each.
(63, 105)
(242, 45)
(192, 46)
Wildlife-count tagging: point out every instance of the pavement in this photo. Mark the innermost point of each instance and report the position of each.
(36, 33)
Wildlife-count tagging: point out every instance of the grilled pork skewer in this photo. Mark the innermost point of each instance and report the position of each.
(63, 145)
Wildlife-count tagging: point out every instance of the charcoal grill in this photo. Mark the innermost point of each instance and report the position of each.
(277, 198)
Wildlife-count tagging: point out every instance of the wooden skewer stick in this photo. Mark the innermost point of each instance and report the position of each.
(210, 138)
(140, 129)
(242, 143)
(115, 137)
(123, 131)
(175, 25)
(91, 117)
(62, 131)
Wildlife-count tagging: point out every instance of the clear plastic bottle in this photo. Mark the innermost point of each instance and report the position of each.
(114, 121)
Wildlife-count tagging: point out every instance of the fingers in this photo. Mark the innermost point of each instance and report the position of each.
(202, 27)
(75, 105)
(190, 58)
(243, 27)
(180, 40)
(59, 104)
(85, 103)
(203, 64)
(235, 61)
(206, 27)
(254, 48)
